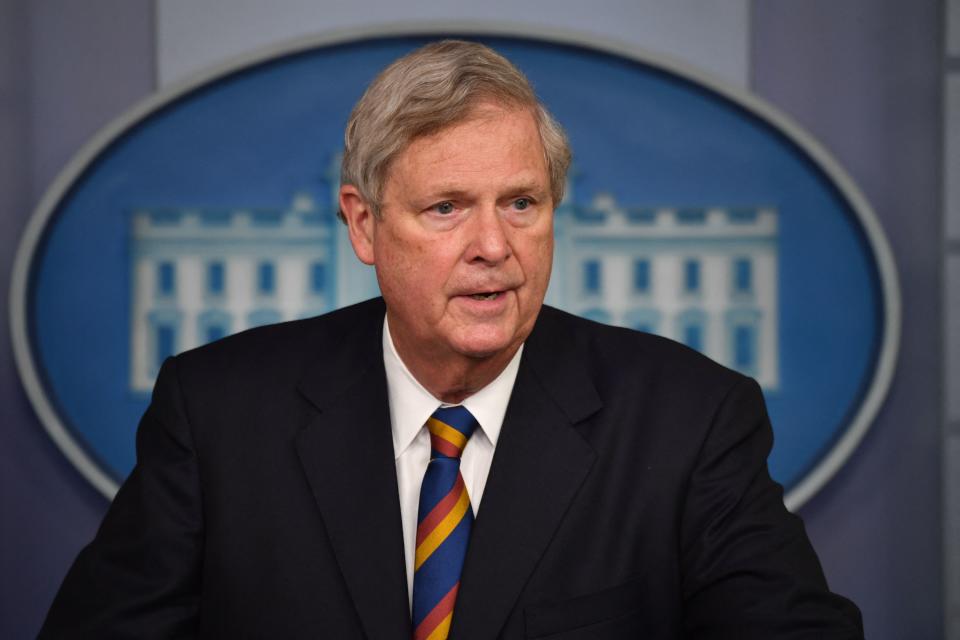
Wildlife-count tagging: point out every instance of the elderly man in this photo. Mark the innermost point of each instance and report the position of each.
(324, 478)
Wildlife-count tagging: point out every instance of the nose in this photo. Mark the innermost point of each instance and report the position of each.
(490, 242)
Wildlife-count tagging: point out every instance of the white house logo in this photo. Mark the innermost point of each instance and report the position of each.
(704, 276)
(199, 275)
(695, 212)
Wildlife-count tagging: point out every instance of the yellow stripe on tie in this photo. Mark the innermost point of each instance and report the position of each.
(443, 529)
(442, 630)
(448, 433)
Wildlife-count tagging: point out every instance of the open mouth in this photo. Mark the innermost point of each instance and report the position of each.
(485, 296)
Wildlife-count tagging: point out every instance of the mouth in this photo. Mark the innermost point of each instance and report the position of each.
(492, 295)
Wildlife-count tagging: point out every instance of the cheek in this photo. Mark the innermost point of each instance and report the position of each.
(396, 255)
(540, 257)
(415, 273)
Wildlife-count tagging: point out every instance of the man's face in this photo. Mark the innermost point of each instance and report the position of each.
(465, 244)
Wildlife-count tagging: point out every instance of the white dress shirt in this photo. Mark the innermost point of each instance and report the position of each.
(410, 406)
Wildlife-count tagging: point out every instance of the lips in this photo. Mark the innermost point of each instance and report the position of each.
(492, 295)
(484, 291)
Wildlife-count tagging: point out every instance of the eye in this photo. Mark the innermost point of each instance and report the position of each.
(443, 207)
(521, 203)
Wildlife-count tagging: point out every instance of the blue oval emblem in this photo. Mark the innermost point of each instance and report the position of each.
(694, 211)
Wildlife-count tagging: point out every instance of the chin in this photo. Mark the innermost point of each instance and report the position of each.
(485, 343)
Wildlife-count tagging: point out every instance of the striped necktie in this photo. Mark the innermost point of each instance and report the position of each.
(443, 525)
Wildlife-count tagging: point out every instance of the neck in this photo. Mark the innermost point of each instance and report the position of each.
(453, 377)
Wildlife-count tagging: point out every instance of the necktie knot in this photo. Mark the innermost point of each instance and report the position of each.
(450, 428)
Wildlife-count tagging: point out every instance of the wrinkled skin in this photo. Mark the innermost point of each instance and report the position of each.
(463, 248)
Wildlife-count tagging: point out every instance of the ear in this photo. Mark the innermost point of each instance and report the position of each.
(361, 222)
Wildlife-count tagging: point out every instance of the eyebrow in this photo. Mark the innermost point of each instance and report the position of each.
(446, 194)
(528, 187)
(453, 193)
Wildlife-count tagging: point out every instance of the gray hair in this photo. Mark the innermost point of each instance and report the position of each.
(428, 90)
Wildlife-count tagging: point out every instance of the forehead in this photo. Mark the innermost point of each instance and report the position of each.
(492, 142)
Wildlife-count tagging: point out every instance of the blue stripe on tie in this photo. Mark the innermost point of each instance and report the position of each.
(439, 479)
(441, 570)
(457, 417)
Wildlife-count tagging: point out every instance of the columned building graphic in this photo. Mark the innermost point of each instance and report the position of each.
(705, 276)
(201, 274)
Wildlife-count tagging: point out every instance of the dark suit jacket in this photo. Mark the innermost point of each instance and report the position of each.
(628, 498)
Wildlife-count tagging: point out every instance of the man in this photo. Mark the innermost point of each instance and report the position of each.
(320, 478)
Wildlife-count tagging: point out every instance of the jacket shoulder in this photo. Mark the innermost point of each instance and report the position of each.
(281, 350)
(617, 353)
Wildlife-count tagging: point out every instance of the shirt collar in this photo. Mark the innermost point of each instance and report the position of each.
(411, 404)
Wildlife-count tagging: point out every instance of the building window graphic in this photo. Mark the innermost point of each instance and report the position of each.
(646, 320)
(744, 347)
(318, 278)
(201, 274)
(692, 329)
(597, 315)
(164, 330)
(166, 279)
(691, 216)
(166, 341)
(267, 218)
(742, 275)
(743, 337)
(216, 278)
(215, 332)
(592, 276)
(691, 276)
(261, 317)
(213, 325)
(693, 336)
(641, 275)
(266, 278)
(702, 275)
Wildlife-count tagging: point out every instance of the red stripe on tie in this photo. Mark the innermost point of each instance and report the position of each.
(444, 446)
(439, 512)
(436, 616)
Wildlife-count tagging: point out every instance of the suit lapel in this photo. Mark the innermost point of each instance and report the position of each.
(347, 455)
(539, 464)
